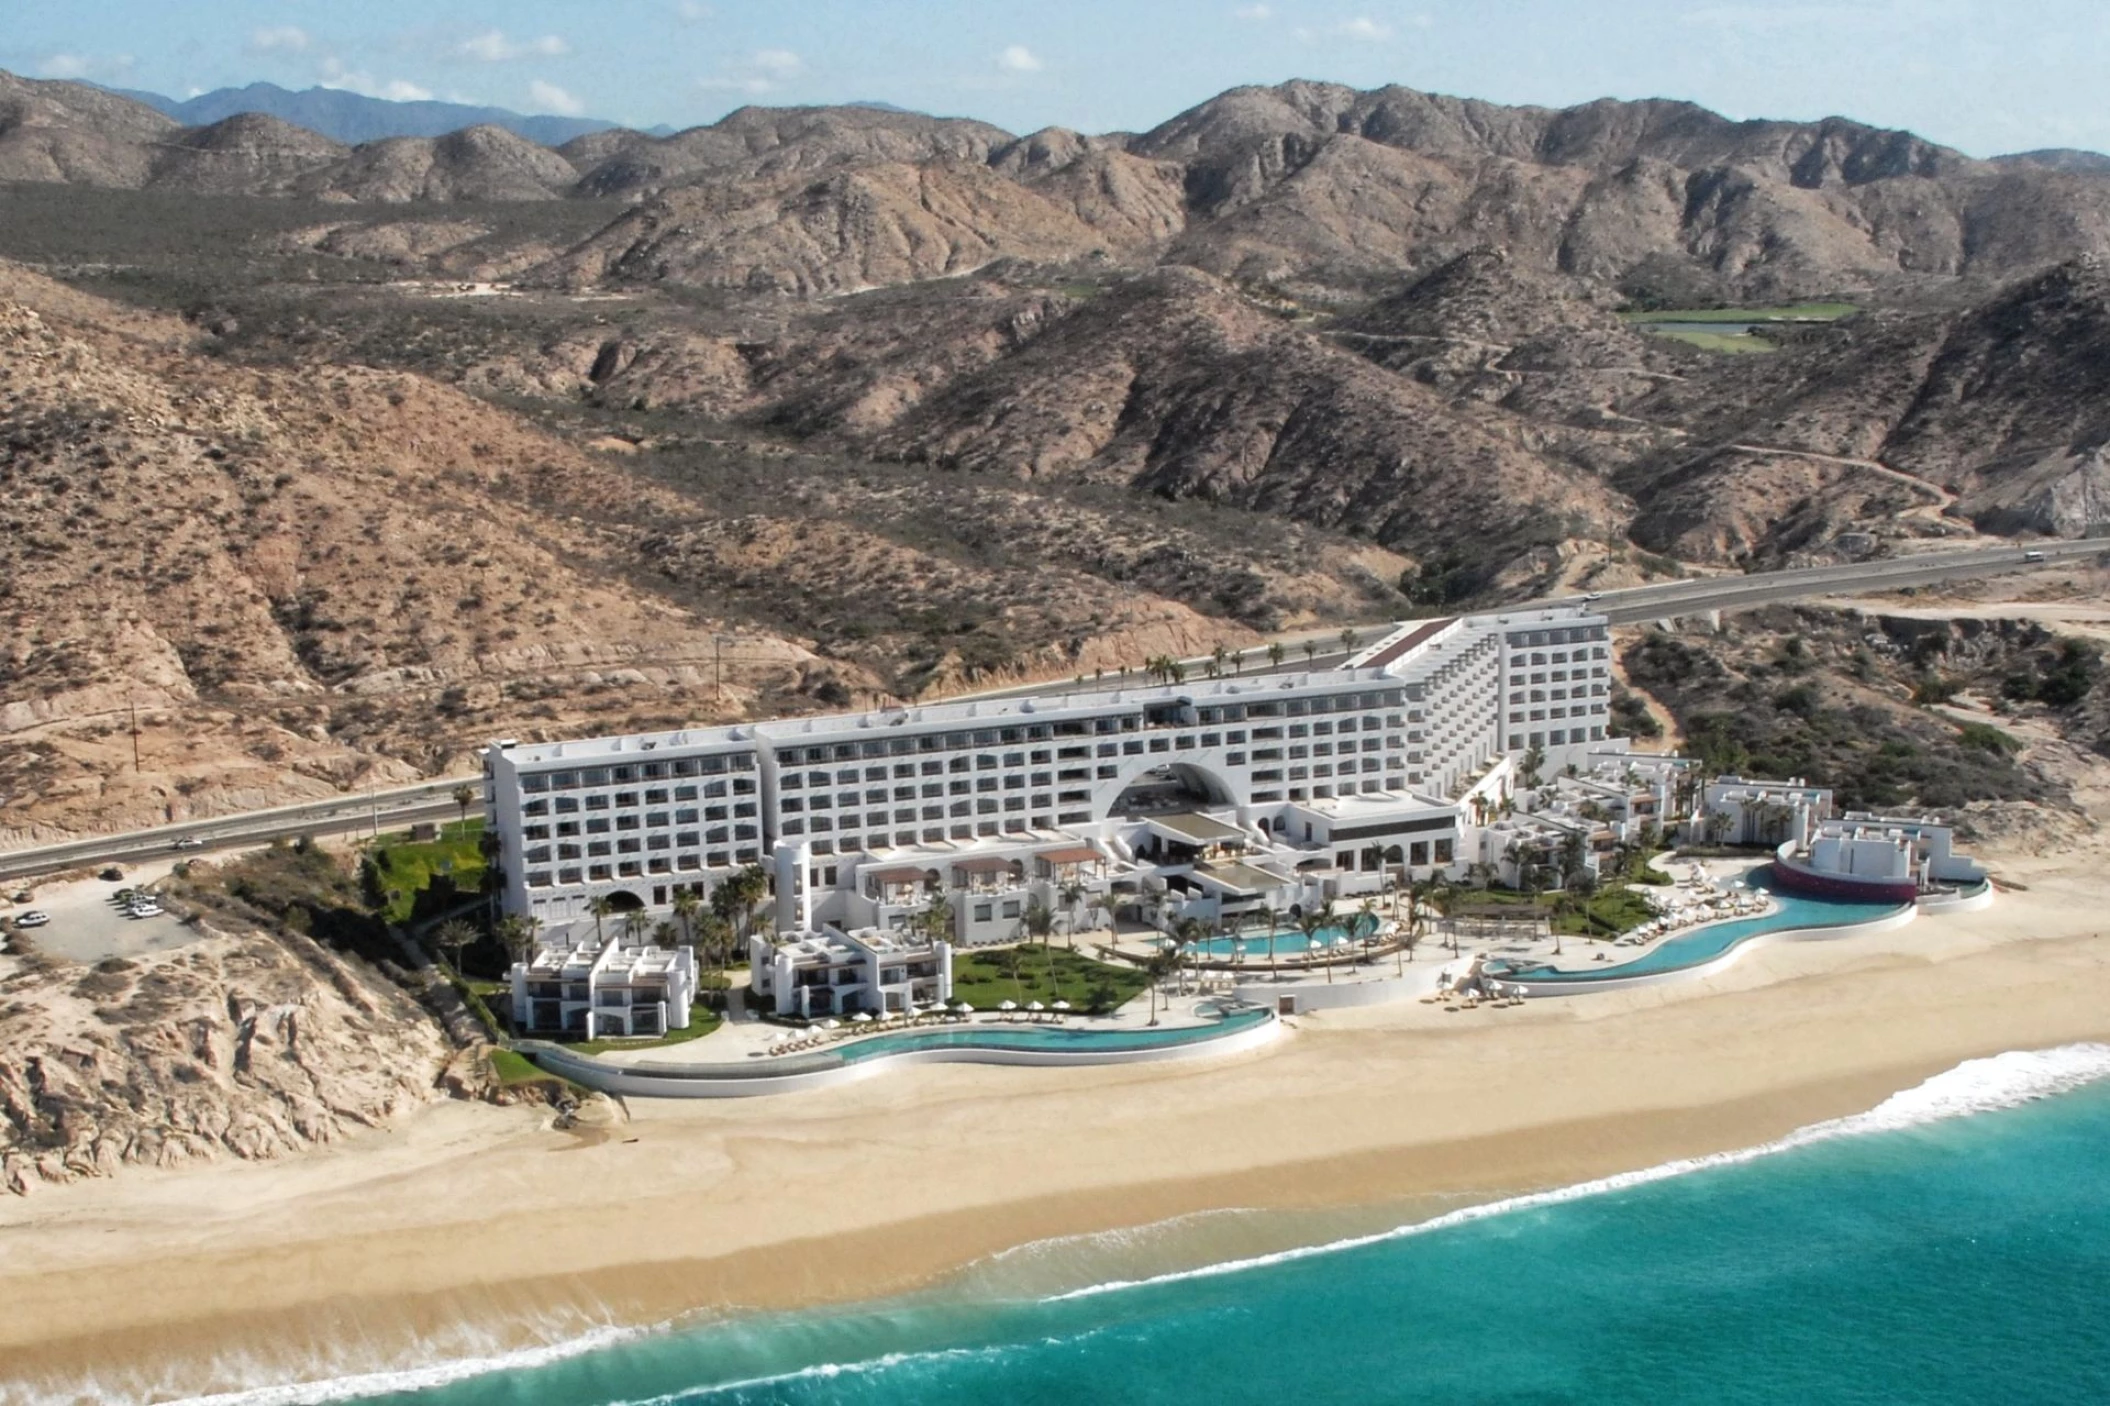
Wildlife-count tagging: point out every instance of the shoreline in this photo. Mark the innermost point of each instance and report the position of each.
(469, 1230)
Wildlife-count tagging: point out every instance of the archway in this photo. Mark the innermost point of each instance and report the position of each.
(1169, 787)
(624, 901)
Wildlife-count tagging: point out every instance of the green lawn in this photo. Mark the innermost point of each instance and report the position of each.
(1612, 910)
(403, 869)
(514, 1068)
(1046, 975)
(1733, 343)
(1796, 312)
(701, 1023)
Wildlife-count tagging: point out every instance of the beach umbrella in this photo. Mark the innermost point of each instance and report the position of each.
(862, 1017)
(831, 1024)
(1062, 1005)
(1007, 1005)
(964, 1007)
(1035, 1006)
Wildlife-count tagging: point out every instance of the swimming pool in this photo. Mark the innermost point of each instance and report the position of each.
(1263, 947)
(1704, 944)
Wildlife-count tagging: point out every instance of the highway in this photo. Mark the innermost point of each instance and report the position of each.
(433, 800)
(391, 809)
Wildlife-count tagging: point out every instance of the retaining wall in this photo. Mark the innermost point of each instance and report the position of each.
(699, 1081)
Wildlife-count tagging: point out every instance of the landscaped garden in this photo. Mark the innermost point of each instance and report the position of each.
(1030, 972)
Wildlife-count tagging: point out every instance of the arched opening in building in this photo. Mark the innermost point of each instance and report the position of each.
(1171, 788)
(624, 901)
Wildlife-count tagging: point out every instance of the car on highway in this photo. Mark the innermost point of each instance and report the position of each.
(2033, 555)
(34, 918)
(190, 842)
(1593, 596)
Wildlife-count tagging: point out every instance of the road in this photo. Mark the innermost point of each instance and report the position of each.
(428, 800)
(432, 800)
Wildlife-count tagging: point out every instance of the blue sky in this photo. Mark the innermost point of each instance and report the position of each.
(1983, 75)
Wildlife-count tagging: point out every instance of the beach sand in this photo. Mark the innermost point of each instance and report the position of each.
(469, 1229)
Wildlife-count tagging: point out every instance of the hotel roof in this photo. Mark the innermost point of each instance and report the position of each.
(1201, 829)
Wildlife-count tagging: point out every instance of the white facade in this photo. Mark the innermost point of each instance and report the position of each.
(1393, 754)
(1740, 812)
(598, 990)
(838, 973)
(1880, 848)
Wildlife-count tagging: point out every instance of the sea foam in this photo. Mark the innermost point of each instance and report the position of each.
(1976, 1086)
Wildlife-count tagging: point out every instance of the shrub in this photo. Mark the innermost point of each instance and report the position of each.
(1987, 738)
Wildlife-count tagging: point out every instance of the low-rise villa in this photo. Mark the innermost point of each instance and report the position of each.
(595, 990)
(1864, 857)
(836, 973)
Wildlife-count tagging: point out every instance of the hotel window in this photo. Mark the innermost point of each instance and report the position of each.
(687, 839)
(569, 876)
(567, 851)
(1043, 799)
(1159, 744)
(598, 873)
(1132, 749)
(1234, 759)
(628, 846)
(538, 878)
(535, 808)
(598, 848)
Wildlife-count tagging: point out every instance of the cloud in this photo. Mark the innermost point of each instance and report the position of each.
(332, 73)
(692, 12)
(1018, 59)
(763, 71)
(98, 66)
(280, 39)
(492, 46)
(1362, 29)
(1254, 12)
(548, 97)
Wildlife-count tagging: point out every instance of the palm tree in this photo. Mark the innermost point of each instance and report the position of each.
(937, 919)
(635, 925)
(1217, 656)
(1275, 651)
(1039, 921)
(464, 797)
(1237, 661)
(1311, 650)
(665, 934)
(517, 935)
(1186, 933)
(1309, 922)
(1072, 895)
(453, 936)
(1157, 966)
(1349, 640)
(686, 907)
(600, 907)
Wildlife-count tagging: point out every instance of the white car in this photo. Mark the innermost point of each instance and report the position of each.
(190, 842)
(144, 910)
(34, 918)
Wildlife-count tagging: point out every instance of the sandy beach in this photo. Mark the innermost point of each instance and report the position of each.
(470, 1228)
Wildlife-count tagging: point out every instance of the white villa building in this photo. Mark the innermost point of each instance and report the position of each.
(839, 973)
(1217, 798)
(596, 990)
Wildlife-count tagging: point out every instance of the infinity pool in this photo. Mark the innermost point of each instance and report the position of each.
(1703, 944)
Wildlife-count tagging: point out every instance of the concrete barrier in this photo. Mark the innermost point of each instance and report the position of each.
(1722, 963)
(707, 1081)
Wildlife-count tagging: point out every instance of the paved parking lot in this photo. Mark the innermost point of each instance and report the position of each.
(86, 926)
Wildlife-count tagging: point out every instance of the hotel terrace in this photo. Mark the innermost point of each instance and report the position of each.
(1226, 797)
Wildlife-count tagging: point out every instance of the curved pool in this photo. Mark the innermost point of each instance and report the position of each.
(1707, 943)
(1047, 1039)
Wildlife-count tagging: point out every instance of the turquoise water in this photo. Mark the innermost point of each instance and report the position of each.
(1951, 1246)
(1046, 1038)
(1704, 944)
(1260, 946)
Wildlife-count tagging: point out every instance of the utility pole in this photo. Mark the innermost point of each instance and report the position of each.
(717, 668)
(133, 704)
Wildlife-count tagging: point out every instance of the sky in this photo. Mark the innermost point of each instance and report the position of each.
(1986, 76)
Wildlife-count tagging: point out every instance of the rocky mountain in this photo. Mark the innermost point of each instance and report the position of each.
(353, 118)
(1990, 415)
(1311, 185)
(242, 1046)
(310, 575)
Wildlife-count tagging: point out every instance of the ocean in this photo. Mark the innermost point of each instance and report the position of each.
(1951, 1245)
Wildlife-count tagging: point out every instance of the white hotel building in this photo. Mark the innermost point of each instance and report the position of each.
(1209, 798)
